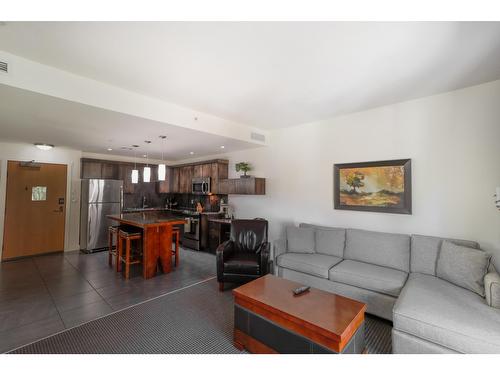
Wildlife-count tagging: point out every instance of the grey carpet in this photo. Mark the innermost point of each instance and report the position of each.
(194, 320)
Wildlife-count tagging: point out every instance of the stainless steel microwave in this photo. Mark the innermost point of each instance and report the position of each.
(201, 185)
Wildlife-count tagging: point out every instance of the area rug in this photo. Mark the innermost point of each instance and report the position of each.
(197, 319)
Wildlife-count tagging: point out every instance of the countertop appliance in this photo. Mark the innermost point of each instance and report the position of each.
(99, 198)
(201, 185)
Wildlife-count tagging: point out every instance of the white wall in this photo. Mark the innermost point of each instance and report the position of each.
(59, 155)
(453, 140)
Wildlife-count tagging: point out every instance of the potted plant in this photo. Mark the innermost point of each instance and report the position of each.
(243, 167)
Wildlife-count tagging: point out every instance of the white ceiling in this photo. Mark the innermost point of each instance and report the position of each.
(30, 117)
(268, 75)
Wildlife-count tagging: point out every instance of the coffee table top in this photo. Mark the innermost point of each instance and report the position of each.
(328, 314)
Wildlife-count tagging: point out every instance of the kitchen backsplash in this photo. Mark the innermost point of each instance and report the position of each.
(154, 199)
(209, 202)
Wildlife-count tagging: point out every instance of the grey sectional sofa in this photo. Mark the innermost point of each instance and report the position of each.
(396, 276)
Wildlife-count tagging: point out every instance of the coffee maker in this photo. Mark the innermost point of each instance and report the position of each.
(226, 210)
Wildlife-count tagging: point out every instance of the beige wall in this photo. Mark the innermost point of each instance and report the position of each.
(453, 140)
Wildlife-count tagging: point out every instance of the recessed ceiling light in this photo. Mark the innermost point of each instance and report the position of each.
(191, 153)
(110, 149)
(44, 146)
(144, 156)
(222, 146)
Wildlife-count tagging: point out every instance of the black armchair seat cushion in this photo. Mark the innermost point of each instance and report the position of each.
(243, 263)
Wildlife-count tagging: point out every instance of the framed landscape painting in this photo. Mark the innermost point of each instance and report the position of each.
(379, 186)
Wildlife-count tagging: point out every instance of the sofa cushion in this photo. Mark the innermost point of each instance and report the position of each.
(463, 266)
(368, 276)
(300, 240)
(425, 250)
(445, 314)
(329, 240)
(312, 264)
(383, 249)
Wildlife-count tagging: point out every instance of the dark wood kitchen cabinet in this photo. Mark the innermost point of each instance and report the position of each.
(126, 177)
(185, 179)
(216, 170)
(175, 180)
(165, 186)
(110, 171)
(91, 169)
(244, 186)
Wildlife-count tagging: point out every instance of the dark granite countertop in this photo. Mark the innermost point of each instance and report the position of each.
(220, 220)
(141, 219)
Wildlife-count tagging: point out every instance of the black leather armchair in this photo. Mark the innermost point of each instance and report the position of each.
(245, 256)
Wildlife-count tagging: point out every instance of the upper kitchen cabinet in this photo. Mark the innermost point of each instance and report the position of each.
(167, 185)
(218, 171)
(110, 171)
(91, 168)
(175, 180)
(185, 178)
(183, 175)
(126, 177)
(244, 186)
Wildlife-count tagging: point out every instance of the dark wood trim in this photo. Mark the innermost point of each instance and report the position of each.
(406, 163)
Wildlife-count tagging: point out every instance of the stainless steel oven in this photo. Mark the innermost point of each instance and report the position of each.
(200, 185)
(191, 236)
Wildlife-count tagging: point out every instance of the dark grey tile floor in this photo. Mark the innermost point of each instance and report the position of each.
(43, 295)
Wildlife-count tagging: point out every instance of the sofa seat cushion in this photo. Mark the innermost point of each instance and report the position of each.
(242, 263)
(312, 264)
(369, 276)
(448, 315)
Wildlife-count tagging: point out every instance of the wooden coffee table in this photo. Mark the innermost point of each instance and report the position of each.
(268, 318)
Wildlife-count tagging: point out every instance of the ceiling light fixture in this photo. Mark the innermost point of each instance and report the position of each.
(44, 146)
(191, 153)
(162, 168)
(110, 149)
(146, 177)
(222, 146)
(135, 172)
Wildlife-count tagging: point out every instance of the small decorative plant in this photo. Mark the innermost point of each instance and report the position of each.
(243, 167)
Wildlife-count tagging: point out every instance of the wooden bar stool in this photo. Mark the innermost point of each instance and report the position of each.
(176, 232)
(113, 250)
(128, 235)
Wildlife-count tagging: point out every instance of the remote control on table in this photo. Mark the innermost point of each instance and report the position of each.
(300, 290)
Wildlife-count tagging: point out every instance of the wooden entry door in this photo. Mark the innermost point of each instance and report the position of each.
(35, 209)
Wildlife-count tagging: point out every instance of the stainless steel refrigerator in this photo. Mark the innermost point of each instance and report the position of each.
(99, 199)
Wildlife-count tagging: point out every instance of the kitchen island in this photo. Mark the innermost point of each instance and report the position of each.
(157, 237)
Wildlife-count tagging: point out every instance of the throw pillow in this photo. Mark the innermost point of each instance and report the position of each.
(300, 240)
(463, 266)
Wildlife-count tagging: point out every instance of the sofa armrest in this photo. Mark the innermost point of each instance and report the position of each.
(279, 248)
(492, 288)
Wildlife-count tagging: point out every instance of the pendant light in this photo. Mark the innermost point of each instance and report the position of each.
(162, 168)
(135, 171)
(147, 170)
